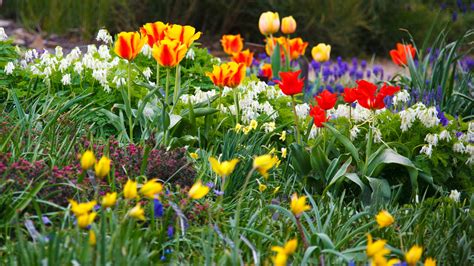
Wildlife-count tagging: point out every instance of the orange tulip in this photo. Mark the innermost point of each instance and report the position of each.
(288, 25)
(129, 44)
(228, 74)
(282, 41)
(401, 54)
(245, 57)
(169, 53)
(184, 34)
(232, 44)
(297, 47)
(266, 71)
(154, 31)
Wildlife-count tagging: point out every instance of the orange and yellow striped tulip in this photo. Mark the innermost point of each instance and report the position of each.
(129, 44)
(245, 57)
(169, 53)
(184, 34)
(272, 42)
(232, 44)
(228, 74)
(155, 32)
(297, 47)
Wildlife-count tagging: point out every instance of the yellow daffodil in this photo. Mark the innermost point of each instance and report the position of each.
(298, 204)
(246, 130)
(272, 151)
(276, 190)
(198, 190)
(87, 160)
(264, 163)
(238, 127)
(288, 25)
(151, 188)
(224, 168)
(137, 212)
(430, 262)
(413, 255)
(283, 152)
(194, 155)
(321, 52)
(82, 208)
(283, 136)
(109, 200)
(253, 124)
(384, 219)
(130, 190)
(262, 187)
(92, 238)
(83, 221)
(102, 168)
(285, 251)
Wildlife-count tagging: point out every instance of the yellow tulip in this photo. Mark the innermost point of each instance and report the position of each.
(224, 168)
(384, 219)
(102, 168)
(194, 155)
(109, 200)
(155, 32)
(87, 160)
(137, 212)
(393, 262)
(184, 34)
(376, 250)
(413, 255)
(430, 262)
(198, 190)
(130, 189)
(92, 238)
(283, 252)
(264, 163)
(269, 23)
(298, 204)
(280, 259)
(82, 208)
(151, 188)
(321, 52)
(83, 221)
(288, 25)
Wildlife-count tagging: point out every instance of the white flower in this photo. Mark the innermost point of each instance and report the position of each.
(101, 76)
(91, 49)
(3, 35)
(401, 97)
(58, 51)
(354, 131)
(147, 73)
(119, 82)
(377, 135)
(190, 54)
(314, 132)
(470, 149)
(407, 118)
(9, 67)
(459, 147)
(427, 149)
(78, 68)
(146, 50)
(104, 52)
(47, 72)
(148, 111)
(432, 139)
(429, 117)
(269, 127)
(66, 80)
(455, 195)
(444, 135)
(283, 152)
(74, 54)
(104, 36)
(302, 110)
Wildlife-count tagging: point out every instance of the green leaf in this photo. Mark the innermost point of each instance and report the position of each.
(202, 111)
(300, 159)
(276, 60)
(346, 142)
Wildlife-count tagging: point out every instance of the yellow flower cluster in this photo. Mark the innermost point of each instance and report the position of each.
(101, 168)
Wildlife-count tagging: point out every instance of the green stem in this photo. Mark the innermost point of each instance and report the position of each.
(129, 86)
(176, 85)
(239, 205)
(368, 149)
(237, 108)
(167, 87)
(296, 119)
(157, 75)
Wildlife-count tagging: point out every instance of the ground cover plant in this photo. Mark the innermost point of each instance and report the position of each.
(145, 149)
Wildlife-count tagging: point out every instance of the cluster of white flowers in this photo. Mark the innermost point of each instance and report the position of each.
(250, 103)
(66, 79)
(9, 67)
(3, 35)
(302, 111)
(455, 195)
(401, 97)
(427, 116)
(354, 132)
(104, 36)
(358, 114)
(190, 54)
(199, 96)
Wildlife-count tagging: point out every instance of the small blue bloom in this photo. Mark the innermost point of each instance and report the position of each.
(170, 231)
(158, 208)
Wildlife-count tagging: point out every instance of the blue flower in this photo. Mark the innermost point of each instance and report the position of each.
(170, 231)
(158, 208)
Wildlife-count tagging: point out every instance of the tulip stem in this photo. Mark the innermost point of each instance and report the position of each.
(300, 229)
(157, 75)
(130, 124)
(165, 106)
(176, 85)
(368, 149)
(237, 108)
(296, 119)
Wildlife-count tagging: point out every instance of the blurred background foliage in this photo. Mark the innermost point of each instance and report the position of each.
(352, 27)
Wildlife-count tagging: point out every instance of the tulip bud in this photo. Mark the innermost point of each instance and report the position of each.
(87, 160)
(269, 23)
(102, 168)
(288, 25)
(321, 52)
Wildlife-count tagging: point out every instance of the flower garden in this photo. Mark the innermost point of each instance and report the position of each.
(145, 149)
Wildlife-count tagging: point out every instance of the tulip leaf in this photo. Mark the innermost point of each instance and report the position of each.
(380, 190)
(326, 240)
(307, 254)
(338, 174)
(345, 141)
(202, 111)
(276, 60)
(300, 159)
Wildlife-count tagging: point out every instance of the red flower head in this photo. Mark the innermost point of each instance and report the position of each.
(326, 100)
(290, 84)
(319, 116)
(400, 55)
(350, 95)
(368, 97)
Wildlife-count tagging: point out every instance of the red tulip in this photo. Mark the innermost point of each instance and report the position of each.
(350, 95)
(400, 55)
(290, 84)
(368, 97)
(326, 100)
(319, 115)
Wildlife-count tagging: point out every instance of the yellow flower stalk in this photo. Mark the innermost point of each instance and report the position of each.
(102, 168)
(413, 255)
(87, 160)
(298, 205)
(224, 168)
(264, 163)
(151, 188)
(130, 190)
(109, 200)
(82, 208)
(198, 190)
(83, 221)
(384, 219)
(137, 212)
